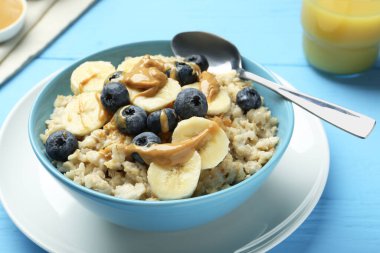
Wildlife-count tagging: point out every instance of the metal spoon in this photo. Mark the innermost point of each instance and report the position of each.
(223, 56)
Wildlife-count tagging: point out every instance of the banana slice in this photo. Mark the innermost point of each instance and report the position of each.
(216, 147)
(84, 114)
(90, 76)
(165, 96)
(219, 105)
(175, 182)
(128, 63)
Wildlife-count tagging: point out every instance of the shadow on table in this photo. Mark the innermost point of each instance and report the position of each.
(369, 80)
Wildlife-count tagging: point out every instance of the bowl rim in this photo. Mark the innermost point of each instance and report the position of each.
(46, 163)
(19, 20)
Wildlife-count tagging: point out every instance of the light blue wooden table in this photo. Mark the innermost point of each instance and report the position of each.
(347, 218)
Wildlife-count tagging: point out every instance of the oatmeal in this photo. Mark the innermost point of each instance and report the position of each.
(159, 128)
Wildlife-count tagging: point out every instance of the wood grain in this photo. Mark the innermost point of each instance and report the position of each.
(347, 218)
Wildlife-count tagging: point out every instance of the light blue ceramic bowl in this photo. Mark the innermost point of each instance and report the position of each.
(159, 215)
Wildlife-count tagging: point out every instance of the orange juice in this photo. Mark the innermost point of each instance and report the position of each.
(341, 36)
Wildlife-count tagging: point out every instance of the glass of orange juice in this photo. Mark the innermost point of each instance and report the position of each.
(341, 36)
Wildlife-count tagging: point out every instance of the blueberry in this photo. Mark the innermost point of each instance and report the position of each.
(190, 102)
(144, 139)
(117, 76)
(200, 60)
(60, 144)
(185, 73)
(131, 120)
(114, 95)
(248, 98)
(162, 121)
(167, 72)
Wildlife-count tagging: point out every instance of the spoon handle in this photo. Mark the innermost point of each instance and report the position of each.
(347, 120)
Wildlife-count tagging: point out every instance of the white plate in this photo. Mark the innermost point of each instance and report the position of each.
(50, 217)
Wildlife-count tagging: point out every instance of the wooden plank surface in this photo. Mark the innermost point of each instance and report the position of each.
(347, 219)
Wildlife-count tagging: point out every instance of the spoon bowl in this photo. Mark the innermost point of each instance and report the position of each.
(209, 45)
(224, 56)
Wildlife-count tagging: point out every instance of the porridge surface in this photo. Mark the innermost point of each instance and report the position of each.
(100, 162)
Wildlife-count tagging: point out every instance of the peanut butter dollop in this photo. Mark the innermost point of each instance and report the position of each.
(164, 121)
(208, 85)
(169, 154)
(148, 75)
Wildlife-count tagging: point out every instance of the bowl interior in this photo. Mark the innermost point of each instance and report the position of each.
(60, 85)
